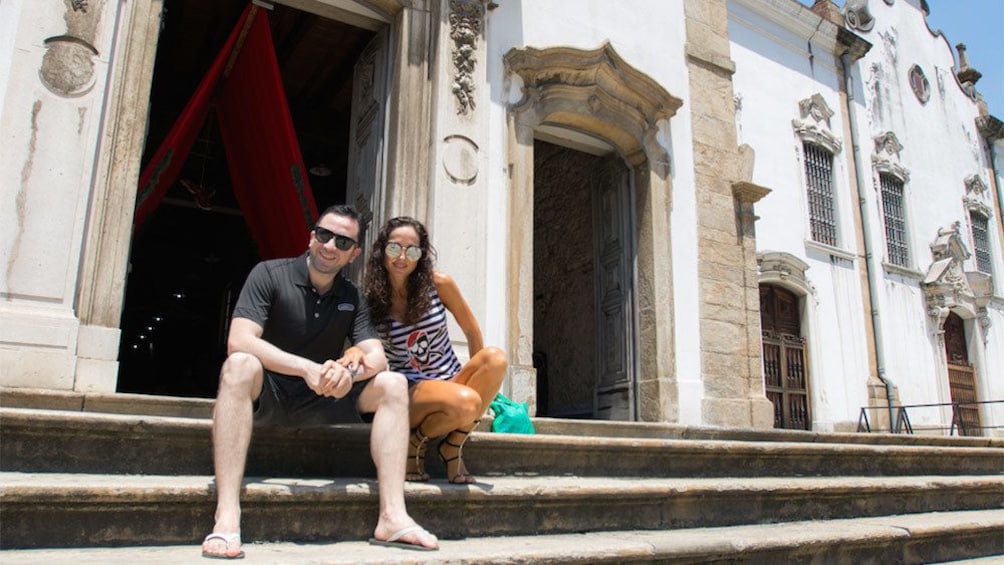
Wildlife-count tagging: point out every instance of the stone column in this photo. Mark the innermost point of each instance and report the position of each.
(51, 119)
(733, 382)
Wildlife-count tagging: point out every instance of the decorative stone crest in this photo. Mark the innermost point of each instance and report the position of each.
(814, 123)
(778, 267)
(974, 184)
(68, 65)
(886, 156)
(975, 198)
(947, 287)
(888, 143)
(625, 106)
(466, 17)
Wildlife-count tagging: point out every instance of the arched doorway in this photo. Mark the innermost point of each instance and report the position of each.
(786, 372)
(961, 378)
(596, 94)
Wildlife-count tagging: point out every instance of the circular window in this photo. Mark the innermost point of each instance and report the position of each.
(919, 84)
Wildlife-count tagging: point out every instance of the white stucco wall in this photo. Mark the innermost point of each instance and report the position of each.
(941, 149)
(778, 64)
(10, 14)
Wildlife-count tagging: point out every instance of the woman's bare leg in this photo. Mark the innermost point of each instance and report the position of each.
(454, 410)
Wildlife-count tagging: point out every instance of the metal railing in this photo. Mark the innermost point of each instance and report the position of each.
(902, 422)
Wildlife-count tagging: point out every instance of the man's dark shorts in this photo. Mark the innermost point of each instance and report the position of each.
(288, 402)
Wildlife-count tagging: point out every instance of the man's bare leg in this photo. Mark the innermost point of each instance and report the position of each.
(240, 383)
(387, 397)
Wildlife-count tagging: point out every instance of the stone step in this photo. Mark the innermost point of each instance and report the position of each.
(61, 441)
(913, 538)
(110, 510)
(201, 408)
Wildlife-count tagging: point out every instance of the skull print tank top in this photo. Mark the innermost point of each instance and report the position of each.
(421, 351)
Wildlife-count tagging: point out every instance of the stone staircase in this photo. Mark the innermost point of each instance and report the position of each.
(128, 479)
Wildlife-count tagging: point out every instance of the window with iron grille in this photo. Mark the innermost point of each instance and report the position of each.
(895, 219)
(981, 241)
(819, 184)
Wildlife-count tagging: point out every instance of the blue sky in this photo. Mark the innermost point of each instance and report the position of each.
(980, 25)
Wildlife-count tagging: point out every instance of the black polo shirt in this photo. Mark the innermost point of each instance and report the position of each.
(279, 297)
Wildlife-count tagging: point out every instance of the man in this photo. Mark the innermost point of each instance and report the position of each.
(291, 320)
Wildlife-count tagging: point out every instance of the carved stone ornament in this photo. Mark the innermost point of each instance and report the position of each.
(977, 205)
(974, 184)
(597, 92)
(948, 288)
(466, 23)
(778, 267)
(858, 16)
(68, 65)
(814, 123)
(886, 156)
(889, 144)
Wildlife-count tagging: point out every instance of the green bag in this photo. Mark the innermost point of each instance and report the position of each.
(510, 417)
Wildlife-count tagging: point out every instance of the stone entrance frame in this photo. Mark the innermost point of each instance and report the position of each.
(108, 235)
(597, 93)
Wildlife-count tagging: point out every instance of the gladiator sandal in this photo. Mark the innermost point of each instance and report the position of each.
(414, 470)
(457, 439)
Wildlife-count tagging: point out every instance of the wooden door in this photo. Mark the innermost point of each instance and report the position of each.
(786, 374)
(613, 261)
(365, 178)
(961, 379)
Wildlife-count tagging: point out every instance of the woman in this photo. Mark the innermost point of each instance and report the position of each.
(408, 302)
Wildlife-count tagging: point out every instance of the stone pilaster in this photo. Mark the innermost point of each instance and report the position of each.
(458, 193)
(729, 319)
(52, 119)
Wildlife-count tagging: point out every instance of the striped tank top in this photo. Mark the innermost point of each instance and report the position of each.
(421, 351)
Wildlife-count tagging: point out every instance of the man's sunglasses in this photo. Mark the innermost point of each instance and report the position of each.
(412, 252)
(342, 242)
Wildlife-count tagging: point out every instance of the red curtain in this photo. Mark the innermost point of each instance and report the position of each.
(266, 167)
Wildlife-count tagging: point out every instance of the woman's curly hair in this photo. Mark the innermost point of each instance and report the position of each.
(377, 282)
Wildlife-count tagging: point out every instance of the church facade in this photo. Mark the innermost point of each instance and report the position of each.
(721, 213)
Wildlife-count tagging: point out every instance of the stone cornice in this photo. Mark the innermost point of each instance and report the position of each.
(595, 91)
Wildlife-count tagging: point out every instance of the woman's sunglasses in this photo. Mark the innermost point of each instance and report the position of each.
(342, 242)
(393, 250)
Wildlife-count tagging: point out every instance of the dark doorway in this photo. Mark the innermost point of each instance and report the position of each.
(190, 258)
(582, 279)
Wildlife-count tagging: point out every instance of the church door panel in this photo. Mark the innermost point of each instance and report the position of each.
(786, 377)
(614, 392)
(961, 378)
(364, 182)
